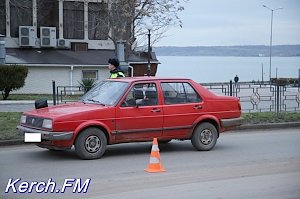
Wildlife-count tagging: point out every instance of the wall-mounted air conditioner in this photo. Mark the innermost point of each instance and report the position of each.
(48, 36)
(63, 43)
(26, 36)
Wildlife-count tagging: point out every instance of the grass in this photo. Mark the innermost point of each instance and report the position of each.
(39, 96)
(28, 96)
(270, 117)
(9, 121)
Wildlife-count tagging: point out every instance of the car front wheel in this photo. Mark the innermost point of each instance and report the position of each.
(204, 137)
(90, 144)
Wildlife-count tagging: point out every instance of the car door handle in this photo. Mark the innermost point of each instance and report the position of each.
(197, 107)
(155, 110)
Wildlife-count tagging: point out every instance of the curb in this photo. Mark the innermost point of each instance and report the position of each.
(268, 126)
(239, 128)
(12, 142)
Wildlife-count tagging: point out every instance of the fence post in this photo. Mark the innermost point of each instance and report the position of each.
(277, 99)
(54, 94)
(230, 88)
(299, 79)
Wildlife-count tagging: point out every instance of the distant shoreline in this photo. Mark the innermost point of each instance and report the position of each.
(236, 51)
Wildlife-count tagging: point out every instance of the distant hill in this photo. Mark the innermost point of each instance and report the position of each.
(242, 51)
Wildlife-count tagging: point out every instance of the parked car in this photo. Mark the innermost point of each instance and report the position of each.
(134, 109)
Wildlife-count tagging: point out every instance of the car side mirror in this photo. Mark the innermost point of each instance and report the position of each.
(40, 103)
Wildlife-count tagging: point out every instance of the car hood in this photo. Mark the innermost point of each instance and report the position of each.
(65, 109)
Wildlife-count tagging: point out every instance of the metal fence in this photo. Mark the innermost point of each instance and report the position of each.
(254, 97)
(259, 97)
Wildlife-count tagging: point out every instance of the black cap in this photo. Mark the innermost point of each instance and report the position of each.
(114, 62)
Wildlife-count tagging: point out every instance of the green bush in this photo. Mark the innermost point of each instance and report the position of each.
(87, 84)
(12, 77)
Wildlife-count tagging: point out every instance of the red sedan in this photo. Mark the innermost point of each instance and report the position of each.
(134, 109)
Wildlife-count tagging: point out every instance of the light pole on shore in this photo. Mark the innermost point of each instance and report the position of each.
(272, 10)
(262, 73)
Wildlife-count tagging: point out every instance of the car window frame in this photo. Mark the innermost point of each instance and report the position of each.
(185, 93)
(132, 86)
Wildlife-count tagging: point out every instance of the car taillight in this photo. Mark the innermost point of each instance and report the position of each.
(239, 104)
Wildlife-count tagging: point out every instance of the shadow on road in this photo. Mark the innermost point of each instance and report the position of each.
(112, 151)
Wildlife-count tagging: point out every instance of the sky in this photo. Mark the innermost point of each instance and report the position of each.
(235, 22)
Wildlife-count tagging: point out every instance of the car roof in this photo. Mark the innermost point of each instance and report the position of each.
(146, 78)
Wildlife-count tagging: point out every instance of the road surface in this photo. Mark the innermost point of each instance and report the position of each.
(245, 164)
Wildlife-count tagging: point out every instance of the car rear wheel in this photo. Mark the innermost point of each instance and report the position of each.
(91, 144)
(205, 137)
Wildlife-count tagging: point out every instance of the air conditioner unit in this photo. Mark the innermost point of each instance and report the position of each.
(26, 36)
(48, 36)
(63, 43)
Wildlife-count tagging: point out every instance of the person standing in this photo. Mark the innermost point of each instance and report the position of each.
(236, 79)
(114, 67)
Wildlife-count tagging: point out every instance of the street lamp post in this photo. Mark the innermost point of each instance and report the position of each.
(149, 27)
(272, 10)
(262, 73)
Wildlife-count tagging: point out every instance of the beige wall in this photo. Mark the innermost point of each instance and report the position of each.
(39, 79)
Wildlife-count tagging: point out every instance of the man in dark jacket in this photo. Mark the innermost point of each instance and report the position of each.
(115, 71)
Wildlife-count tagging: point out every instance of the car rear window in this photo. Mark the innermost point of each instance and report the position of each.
(179, 93)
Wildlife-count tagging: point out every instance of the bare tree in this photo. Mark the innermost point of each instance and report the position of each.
(161, 14)
(128, 20)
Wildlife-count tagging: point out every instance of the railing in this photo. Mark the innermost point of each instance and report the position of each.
(254, 97)
(66, 94)
(259, 97)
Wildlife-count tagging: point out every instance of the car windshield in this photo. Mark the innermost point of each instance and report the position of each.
(106, 93)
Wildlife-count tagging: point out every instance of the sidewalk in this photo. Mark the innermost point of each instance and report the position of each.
(21, 102)
(18, 105)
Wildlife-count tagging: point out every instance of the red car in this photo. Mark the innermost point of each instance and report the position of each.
(134, 109)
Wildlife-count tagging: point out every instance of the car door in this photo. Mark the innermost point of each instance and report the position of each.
(139, 115)
(182, 106)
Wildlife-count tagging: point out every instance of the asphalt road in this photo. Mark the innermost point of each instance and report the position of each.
(246, 164)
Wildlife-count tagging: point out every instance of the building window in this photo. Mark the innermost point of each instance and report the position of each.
(20, 15)
(73, 20)
(98, 21)
(2, 18)
(47, 14)
(90, 74)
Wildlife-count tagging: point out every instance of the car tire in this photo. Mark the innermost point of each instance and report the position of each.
(90, 144)
(204, 137)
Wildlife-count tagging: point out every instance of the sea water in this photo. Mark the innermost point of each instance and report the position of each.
(206, 69)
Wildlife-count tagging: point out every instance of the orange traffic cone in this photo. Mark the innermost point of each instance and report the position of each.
(154, 164)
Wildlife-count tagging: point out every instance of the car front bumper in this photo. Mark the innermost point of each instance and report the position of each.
(46, 135)
(231, 122)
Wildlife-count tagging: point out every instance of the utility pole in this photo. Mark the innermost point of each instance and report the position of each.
(272, 10)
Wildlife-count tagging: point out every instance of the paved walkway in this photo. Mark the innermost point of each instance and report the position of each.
(18, 106)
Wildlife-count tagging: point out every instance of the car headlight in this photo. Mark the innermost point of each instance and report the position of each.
(47, 123)
(23, 119)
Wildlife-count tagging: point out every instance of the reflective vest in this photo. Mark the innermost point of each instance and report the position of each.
(117, 74)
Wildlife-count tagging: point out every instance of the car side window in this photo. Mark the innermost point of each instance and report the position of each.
(179, 93)
(142, 94)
